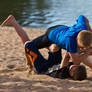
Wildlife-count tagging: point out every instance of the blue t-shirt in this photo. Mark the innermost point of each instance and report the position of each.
(65, 36)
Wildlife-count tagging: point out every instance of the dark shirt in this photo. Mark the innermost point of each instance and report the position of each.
(61, 73)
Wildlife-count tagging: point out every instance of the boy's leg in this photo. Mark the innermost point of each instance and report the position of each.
(43, 39)
(40, 42)
(12, 21)
(54, 58)
(36, 59)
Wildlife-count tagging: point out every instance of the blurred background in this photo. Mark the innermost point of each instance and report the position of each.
(45, 13)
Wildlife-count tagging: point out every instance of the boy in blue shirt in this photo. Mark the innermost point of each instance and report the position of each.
(68, 38)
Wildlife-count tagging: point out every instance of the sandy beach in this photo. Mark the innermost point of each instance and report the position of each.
(14, 76)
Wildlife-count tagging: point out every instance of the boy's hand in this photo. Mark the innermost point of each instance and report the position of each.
(53, 48)
(86, 51)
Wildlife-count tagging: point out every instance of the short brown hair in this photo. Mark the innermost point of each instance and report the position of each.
(80, 73)
(85, 38)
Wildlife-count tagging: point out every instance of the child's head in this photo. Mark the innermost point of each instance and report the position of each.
(78, 72)
(84, 38)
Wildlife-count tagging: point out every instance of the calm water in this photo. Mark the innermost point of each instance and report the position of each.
(45, 13)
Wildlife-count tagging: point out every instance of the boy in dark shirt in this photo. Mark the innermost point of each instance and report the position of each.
(43, 66)
(78, 73)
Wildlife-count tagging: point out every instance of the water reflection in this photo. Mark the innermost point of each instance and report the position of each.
(28, 13)
(37, 13)
(45, 13)
(15, 7)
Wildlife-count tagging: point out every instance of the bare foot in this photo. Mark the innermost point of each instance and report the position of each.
(9, 20)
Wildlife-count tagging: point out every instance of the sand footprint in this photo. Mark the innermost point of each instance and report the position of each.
(10, 66)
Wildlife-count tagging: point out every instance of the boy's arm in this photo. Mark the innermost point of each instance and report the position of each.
(82, 57)
(87, 62)
(75, 58)
(65, 60)
(87, 22)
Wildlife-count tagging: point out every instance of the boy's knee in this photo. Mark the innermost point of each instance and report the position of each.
(27, 42)
(28, 45)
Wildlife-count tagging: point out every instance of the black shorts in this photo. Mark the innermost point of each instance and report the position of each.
(43, 41)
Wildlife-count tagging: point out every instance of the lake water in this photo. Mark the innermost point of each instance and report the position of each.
(45, 13)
